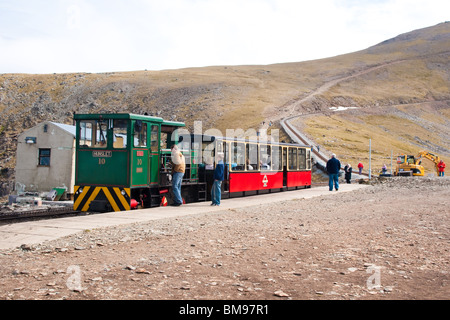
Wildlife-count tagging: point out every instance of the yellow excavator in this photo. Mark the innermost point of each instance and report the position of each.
(412, 165)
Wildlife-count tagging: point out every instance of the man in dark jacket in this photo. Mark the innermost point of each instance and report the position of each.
(218, 178)
(333, 167)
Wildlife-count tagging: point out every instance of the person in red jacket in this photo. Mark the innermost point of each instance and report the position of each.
(360, 167)
(441, 167)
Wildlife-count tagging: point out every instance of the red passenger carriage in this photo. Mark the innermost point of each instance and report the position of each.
(253, 167)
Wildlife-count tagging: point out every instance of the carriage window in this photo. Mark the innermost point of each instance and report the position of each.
(293, 159)
(308, 159)
(208, 155)
(252, 157)
(226, 147)
(276, 159)
(237, 156)
(154, 137)
(140, 134)
(219, 150)
(93, 134)
(265, 157)
(302, 159)
(184, 146)
(196, 152)
(120, 133)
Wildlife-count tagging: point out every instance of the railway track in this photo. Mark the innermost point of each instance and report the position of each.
(293, 131)
(303, 140)
(24, 215)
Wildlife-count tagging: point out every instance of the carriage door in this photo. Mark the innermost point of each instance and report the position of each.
(226, 175)
(222, 147)
(154, 155)
(285, 171)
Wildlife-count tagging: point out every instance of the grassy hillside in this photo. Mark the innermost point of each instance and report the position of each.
(392, 130)
(402, 105)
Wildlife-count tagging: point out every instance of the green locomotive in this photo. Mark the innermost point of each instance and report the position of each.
(123, 162)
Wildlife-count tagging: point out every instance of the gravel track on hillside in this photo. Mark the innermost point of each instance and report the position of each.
(388, 241)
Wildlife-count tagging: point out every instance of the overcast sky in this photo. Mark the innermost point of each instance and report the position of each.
(58, 36)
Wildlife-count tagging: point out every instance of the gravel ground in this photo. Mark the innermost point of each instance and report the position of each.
(389, 241)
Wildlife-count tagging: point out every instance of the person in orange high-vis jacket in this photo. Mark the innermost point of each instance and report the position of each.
(441, 167)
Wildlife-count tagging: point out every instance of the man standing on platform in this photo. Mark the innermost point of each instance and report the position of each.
(333, 167)
(216, 190)
(178, 168)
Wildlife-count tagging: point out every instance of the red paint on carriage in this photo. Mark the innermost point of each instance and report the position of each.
(250, 181)
(299, 179)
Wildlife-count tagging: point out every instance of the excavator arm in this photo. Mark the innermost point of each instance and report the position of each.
(432, 157)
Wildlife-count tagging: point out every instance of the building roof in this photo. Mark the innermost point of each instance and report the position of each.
(66, 127)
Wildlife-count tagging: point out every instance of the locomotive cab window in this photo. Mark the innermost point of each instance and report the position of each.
(120, 133)
(93, 134)
(140, 134)
(155, 138)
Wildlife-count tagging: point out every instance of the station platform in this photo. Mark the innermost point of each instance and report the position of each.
(36, 232)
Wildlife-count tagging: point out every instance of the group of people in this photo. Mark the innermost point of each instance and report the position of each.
(178, 170)
(333, 167)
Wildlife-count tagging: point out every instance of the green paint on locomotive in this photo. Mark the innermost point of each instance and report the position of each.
(121, 151)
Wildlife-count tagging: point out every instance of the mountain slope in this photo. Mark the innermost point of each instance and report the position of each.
(411, 69)
(402, 105)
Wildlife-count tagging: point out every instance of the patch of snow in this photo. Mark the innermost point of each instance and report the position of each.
(340, 108)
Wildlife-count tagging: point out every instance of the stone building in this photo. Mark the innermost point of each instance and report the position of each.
(46, 158)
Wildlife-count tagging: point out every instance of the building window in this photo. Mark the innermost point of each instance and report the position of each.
(44, 157)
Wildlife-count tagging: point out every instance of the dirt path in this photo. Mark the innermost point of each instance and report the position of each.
(290, 111)
(389, 241)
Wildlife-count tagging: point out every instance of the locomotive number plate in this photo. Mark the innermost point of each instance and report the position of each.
(102, 154)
